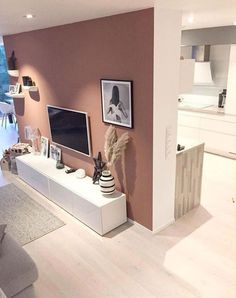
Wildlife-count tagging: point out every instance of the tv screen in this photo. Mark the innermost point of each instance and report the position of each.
(69, 129)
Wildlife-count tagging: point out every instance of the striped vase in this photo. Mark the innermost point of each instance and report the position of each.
(107, 183)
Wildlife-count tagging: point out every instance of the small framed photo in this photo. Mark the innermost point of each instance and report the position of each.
(44, 146)
(12, 89)
(18, 88)
(55, 152)
(117, 102)
(28, 132)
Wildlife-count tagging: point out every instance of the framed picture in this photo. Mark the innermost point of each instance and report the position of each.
(55, 152)
(44, 146)
(18, 88)
(117, 105)
(12, 89)
(28, 132)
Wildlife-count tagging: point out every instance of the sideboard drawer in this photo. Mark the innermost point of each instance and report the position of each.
(77, 206)
(37, 180)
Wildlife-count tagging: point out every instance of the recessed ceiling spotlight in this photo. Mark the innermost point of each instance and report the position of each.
(191, 19)
(29, 16)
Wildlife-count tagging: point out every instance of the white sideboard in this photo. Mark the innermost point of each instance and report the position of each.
(79, 197)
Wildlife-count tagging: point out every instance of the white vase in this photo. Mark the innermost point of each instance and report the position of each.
(107, 183)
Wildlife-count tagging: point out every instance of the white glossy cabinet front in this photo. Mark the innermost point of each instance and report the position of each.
(218, 134)
(79, 197)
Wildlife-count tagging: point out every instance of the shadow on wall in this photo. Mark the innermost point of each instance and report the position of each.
(122, 167)
(34, 95)
(19, 106)
(77, 158)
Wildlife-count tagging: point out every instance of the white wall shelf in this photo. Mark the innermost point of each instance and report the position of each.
(20, 95)
(14, 73)
(30, 88)
(80, 197)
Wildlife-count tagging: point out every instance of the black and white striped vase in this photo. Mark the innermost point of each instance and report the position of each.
(107, 183)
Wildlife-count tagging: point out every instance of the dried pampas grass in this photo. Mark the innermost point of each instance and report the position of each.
(114, 146)
(110, 140)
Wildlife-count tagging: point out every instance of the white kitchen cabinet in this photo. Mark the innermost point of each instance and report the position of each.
(218, 142)
(189, 120)
(188, 132)
(218, 132)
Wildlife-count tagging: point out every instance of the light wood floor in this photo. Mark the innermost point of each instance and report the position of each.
(195, 257)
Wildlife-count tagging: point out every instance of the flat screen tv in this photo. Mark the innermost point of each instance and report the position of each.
(69, 129)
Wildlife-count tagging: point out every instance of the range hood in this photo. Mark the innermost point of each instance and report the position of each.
(202, 70)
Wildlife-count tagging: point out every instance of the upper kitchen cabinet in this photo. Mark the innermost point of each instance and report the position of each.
(230, 106)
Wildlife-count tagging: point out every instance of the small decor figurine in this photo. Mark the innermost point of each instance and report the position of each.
(8, 162)
(5, 161)
(12, 61)
(98, 168)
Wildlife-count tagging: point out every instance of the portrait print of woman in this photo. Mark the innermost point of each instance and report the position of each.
(117, 102)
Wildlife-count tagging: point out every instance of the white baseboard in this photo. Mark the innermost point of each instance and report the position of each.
(170, 222)
(159, 229)
(139, 225)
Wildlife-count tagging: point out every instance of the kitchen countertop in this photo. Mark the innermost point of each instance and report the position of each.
(211, 109)
(188, 143)
(208, 113)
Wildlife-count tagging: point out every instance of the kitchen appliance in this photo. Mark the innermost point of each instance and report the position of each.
(222, 99)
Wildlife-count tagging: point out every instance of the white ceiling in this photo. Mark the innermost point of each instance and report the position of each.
(51, 13)
(207, 13)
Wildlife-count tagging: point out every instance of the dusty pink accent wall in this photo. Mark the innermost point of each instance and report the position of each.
(67, 63)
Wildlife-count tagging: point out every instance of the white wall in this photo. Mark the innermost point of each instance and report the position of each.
(167, 37)
(1, 40)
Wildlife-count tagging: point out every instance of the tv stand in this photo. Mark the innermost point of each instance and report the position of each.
(80, 197)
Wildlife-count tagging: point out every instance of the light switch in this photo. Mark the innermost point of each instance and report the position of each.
(168, 141)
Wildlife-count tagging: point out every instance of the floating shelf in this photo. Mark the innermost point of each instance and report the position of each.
(14, 73)
(20, 95)
(30, 88)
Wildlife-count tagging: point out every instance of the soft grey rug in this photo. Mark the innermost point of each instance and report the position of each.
(26, 219)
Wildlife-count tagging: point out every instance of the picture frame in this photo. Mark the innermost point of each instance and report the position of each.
(117, 102)
(44, 143)
(17, 88)
(55, 152)
(12, 89)
(28, 132)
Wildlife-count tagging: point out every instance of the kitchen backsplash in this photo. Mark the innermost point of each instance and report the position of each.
(193, 99)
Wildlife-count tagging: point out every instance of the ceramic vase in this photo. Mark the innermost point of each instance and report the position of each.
(107, 183)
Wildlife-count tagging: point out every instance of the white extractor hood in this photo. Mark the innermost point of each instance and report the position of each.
(202, 74)
(202, 70)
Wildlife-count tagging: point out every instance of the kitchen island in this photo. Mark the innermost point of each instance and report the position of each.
(189, 163)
